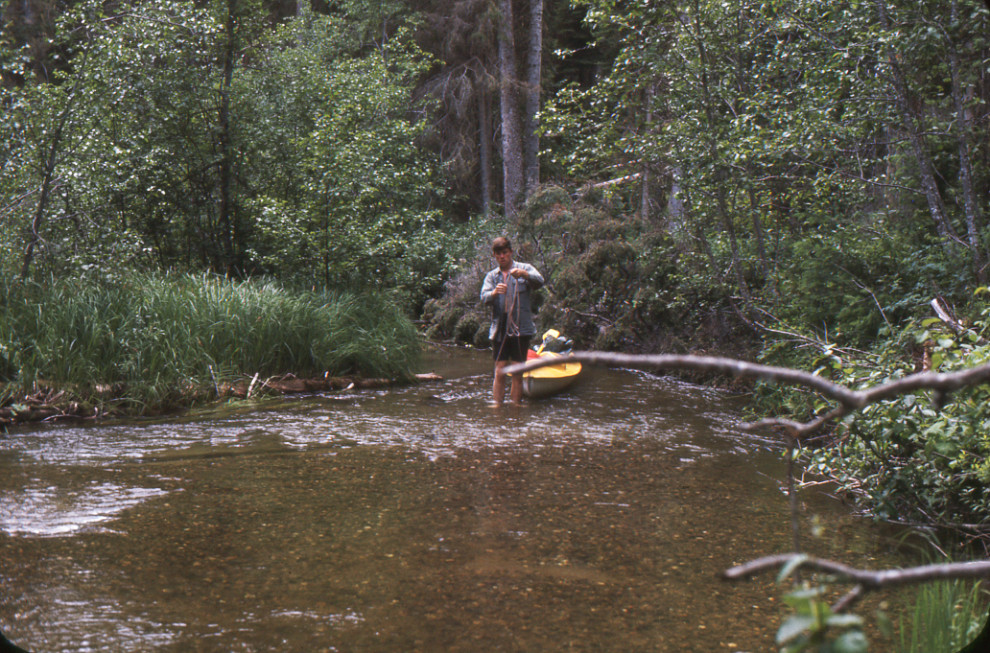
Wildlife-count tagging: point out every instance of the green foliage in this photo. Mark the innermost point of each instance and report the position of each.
(816, 629)
(767, 120)
(133, 166)
(946, 616)
(153, 340)
(327, 179)
(848, 283)
(613, 281)
(919, 457)
(594, 262)
(592, 130)
(813, 626)
(356, 200)
(458, 313)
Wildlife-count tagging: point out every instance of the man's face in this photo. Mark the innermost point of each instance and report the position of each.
(504, 259)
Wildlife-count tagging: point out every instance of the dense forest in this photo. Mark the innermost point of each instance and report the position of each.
(798, 182)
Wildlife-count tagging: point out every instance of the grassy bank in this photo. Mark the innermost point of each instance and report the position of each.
(154, 342)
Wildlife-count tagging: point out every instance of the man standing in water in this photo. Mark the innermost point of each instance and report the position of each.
(507, 290)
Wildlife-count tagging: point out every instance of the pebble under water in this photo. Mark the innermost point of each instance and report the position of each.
(408, 519)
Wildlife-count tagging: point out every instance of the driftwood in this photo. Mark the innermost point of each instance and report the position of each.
(34, 413)
(605, 184)
(286, 385)
(866, 578)
(620, 180)
(45, 405)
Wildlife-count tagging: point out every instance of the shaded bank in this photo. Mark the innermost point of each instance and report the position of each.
(614, 282)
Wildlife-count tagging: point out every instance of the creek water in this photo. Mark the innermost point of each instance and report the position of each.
(408, 519)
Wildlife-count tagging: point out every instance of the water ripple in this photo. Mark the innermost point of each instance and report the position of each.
(53, 511)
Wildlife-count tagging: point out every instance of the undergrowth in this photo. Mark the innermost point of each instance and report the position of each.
(152, 341)
(945, 617)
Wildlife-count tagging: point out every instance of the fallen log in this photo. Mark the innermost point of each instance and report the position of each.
(40, 407)
(293, 385)
(29, 413)
(32, 411)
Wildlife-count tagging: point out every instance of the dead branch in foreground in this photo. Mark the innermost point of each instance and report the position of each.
(865, 579)
(848, 400)
(868, 579)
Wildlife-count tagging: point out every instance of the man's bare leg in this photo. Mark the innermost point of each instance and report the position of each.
(498, 387)
(517, 389)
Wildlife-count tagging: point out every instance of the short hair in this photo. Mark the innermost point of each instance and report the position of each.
(501, 244)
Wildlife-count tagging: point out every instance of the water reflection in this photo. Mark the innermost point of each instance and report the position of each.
(414, 519)
(50, 511)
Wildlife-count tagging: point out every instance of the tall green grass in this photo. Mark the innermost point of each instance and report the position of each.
(947, 616)
(159, 339)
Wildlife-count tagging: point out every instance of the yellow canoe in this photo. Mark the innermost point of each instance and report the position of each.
(551, 379)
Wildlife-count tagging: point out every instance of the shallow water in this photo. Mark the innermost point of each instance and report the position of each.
(407, 519)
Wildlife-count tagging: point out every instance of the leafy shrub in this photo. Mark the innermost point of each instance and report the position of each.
(594, 265)
(919, 457)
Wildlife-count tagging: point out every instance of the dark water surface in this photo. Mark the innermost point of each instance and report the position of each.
(410, 519)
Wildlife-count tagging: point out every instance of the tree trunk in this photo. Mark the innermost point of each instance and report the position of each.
(512, 157)
(913, 126)
(534, 66)
(226, 217)
(485, 150)
(676, 209)
(48, 168)
(644, 202)
(33, 237)
(758, 232)
(722, 181)
(721, 171)
(971, 206)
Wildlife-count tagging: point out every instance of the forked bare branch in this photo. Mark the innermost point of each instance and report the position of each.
(847, 400)
(870, 580)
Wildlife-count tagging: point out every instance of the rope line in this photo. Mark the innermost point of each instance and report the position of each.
(510, 320)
